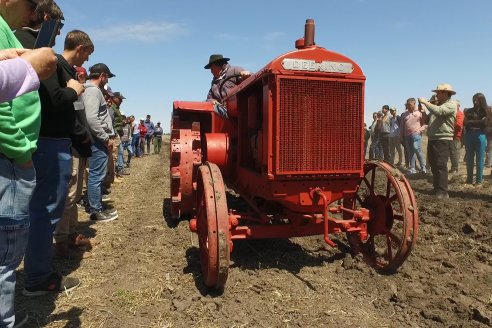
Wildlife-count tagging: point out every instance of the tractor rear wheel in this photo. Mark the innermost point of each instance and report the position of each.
(212, 226)
(393, 225)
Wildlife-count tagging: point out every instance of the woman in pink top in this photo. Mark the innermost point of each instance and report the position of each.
(412, 126)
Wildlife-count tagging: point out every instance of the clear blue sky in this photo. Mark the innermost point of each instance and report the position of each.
(157, 48)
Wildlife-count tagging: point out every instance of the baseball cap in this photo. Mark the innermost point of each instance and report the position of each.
(108, 90)
(80, 70)
(100, 68)
(118, 95)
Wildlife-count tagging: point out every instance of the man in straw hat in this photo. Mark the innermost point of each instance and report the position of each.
(221, 70)
(441, 132)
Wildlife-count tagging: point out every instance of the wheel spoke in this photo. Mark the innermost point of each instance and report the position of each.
(393, 198)
(388, 188)
(373, 178)
(359, 198)
(390, 200)
(389, 248)
(368, 184)
(393, 238)
(370, 244)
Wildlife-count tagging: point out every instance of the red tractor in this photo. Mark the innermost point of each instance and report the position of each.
(289, 141)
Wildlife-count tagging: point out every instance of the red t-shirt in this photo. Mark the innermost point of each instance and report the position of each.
(142, 129)
(458, 124)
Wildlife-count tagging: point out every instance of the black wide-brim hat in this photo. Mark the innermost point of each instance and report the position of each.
(215, 58)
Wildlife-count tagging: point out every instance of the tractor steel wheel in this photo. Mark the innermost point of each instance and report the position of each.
(393, 225)
(185, 158)
(212, 226)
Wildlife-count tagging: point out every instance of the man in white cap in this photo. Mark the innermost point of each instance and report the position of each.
(441, 132)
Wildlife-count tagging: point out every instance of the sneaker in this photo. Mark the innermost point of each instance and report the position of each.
(442, 195)
(411, 171)
(124, 172)
(103, 216)
(55, 284)
(21, 318)
(479, 185)
(118, 179)
(105, 198)
(110, 210)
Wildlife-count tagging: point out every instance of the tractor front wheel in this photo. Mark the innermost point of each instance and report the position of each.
(393, 225)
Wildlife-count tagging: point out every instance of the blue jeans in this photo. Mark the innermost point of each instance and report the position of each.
(414, 149)
(98, 165)
(148, 139)
(120, 163)
(375, 149)
(136, 144)
(16, 188)
(475, 144)
(127, 145)
(53, 163)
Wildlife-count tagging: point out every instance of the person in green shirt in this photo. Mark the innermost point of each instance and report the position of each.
(20, 120)
(441, 133)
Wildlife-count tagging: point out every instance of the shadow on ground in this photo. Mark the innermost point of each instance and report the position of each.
(264, 254)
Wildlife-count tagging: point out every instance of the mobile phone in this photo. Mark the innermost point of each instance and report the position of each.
(47, 33)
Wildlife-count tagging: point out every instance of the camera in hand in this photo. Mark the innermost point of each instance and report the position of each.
(47, 33)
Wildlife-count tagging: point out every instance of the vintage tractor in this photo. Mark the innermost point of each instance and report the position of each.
(289, 141)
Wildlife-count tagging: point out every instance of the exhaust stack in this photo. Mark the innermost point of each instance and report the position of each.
(309, 33)
(308, 39)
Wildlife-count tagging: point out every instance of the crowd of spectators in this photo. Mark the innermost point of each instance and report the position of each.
(61, 127)
(448, 129)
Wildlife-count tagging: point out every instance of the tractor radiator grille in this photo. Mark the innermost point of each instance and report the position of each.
(320, 127)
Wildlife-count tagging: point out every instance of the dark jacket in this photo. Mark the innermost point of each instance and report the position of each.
(117, 120)
(58, 116)
(475, 118)
(217, 90)
(80, 136)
